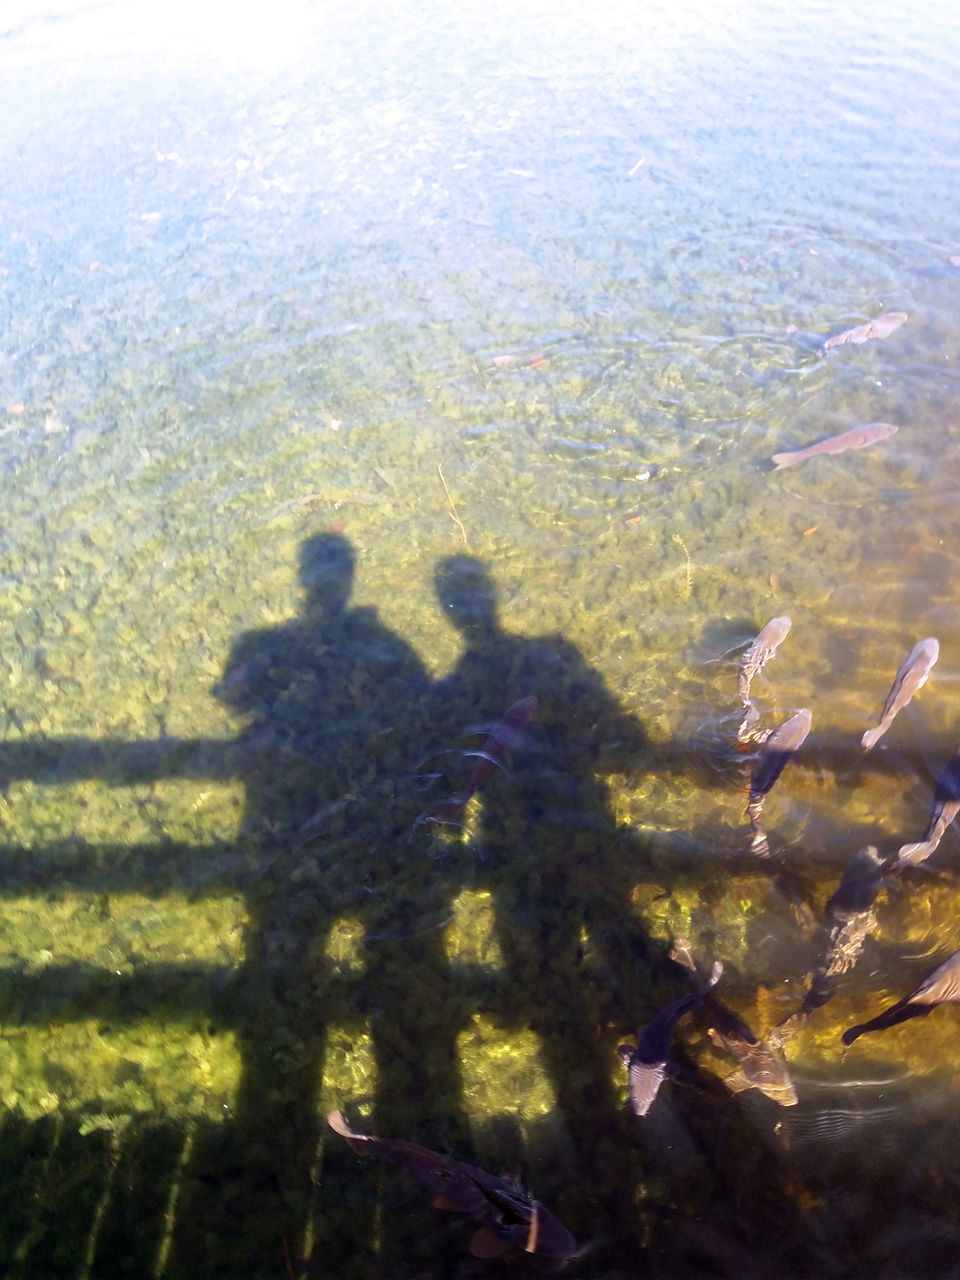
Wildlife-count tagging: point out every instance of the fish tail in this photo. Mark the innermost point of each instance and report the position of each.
(715, 974)
(680, 953)
(911, 853)
(785, 460)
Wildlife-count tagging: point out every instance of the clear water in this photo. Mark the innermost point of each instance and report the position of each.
(364, 369)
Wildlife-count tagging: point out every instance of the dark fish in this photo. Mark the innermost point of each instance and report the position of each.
(505, 1215)
(941, 986)
(771, 761)
(855, 438)
(761, 1067)
(912, 676)
(881, 327)
(856, 893)
(647, 1063)
(755, 658)
(946, 806)
(505, 733)
(851, 919)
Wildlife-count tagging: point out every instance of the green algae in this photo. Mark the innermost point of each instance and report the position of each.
(196, 411)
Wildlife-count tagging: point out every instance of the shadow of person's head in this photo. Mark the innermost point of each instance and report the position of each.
(327, 563)
(468, 597)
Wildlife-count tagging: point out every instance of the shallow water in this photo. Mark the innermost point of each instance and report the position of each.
(362, 371)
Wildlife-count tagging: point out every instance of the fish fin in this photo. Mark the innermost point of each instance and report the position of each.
(491, 760)
(737, 1081)
(783, 460)
(338, 1123)
(625, 1052)
(681, 954)
(486, 1243)
(359, 1142)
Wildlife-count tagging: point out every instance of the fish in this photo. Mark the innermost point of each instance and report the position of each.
(851, 918)
(506, 733)
(760, 1066)
(771, 761)
(855, 438)
(505, 1215)
(912, 675)
(647, 1062)
(758, 653)
(880, 327)
(946, 806)
(940, 986)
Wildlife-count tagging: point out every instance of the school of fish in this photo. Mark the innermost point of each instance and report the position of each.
(507, 1217)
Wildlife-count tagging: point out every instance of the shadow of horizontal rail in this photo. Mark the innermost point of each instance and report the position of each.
(119, 762)
(63, 992)
(228, 996)
(74, 864)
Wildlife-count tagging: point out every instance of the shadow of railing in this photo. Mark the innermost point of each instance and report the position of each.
(238, 1195)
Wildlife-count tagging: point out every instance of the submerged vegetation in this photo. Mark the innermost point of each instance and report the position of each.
(343, 414)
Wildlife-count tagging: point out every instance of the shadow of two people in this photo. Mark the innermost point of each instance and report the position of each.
(339, 713)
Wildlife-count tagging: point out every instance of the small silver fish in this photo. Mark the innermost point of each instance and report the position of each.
(881, 327)
(946, 806)
(855, 438)
(940, 986)
(758, 653)
(912, 676)
(771, 761)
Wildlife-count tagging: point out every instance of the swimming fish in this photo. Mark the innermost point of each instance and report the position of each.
(771, 761)
(505, 733)
(912, 676)
(880, 327)
(761, 1067)
(647, 1063)
(851, 919)
(946, 806)
(755, 657)
(940, 986)
(855, 438)
(506, 1215)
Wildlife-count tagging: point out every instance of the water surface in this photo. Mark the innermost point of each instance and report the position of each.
(363, 370)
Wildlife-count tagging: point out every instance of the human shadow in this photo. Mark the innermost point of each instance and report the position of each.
(341, 713)
(545, 844)
(332, 700)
